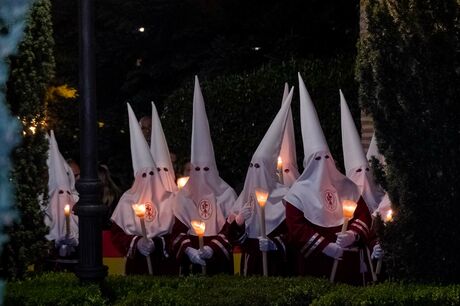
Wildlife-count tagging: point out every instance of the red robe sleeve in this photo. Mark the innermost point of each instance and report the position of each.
(180, 239)
(361, 222)
(302, 233)
(125, 244)
(220, 243)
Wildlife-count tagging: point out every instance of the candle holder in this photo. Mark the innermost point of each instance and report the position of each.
(199, 227)
(139, 210)
(262, 196)
(348, 208)
(67, 220)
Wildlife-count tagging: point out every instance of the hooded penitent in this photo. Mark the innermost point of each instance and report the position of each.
(288, 150)
(160, 153)
(262, 174)
(321, 189)
(374, 151)
(147, 189)
(356, 165)
(206, 196)
(60, 194)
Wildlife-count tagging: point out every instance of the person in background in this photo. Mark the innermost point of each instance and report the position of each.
(146, 127)
(75, 168)
(110, 193)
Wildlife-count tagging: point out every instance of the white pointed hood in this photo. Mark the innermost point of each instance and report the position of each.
(206, 196)
(288, 149)
(60, 194)
(356, 165)
(262, 174)
(321, 189)
(140, 152)
(374, 151)
(147, 189)
(160, 153)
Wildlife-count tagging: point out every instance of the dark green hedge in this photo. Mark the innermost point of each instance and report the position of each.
(64, 289)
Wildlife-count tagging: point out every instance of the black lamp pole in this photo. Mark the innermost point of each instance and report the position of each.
(89, 209)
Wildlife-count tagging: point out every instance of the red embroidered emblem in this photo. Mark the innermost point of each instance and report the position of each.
(205, 209)
(150, 212)
(330, 200)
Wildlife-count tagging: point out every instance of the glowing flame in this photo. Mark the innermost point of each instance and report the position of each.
(199, 227)
(389, 216)
(139, 210)
(67, 210)
(261, 196)
(279, 164)
(182, 181)
(348, 208)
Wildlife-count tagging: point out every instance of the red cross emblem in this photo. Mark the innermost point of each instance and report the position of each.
(205, 209)
(150, 212)
(330, 200)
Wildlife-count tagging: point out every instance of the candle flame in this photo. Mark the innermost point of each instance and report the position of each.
(279, 164)
(67, 210)
(389, 216)
(199, 227)
(182, 181)
(139, 210)
(348, 207)
(261, 196)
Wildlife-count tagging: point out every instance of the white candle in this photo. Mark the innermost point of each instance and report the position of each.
(279, 168)
(139, 210)
(199, 227)
(67, 220)
(262, 196)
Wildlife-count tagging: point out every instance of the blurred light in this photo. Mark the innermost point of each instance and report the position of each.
(256, 48)
(141, 29)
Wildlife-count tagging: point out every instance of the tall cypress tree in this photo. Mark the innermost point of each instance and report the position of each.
(409, 75)
(32, 70)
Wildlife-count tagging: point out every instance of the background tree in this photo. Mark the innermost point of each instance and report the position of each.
(32, 70)
(408, 72)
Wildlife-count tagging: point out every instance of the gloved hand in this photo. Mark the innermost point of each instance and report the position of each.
(333, 250)
(345, 239)
(206, 253)
(194, 256)
(266, 245)
(145, 246)
(231, 218)
(68, 241)
(377, 252)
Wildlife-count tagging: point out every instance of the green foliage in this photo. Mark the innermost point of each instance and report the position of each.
(32, 70)
(53, 289)
(240, 108)
(408, 70)
(64, 289)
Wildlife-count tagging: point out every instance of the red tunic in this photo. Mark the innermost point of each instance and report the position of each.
(136, 263)
(309, 240)
(220, 262)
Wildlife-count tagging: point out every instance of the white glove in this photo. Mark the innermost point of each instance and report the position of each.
(377, 252)
(333, 250)
(68, 241)
(145, 246)
(346, 239)
(194, 256)
(231, 218)
(206, 253)
(266, 245)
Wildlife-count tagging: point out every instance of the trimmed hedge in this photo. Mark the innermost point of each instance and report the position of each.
(64, 289)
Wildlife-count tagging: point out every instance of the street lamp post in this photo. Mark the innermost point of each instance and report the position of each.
(89, 209)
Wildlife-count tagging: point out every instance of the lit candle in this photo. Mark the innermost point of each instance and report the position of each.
(182, 181)
(139, 211)
(200, 227)
(279, 168)
(388, 219)
(262, 196)
(67, 220)
(348, 209)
